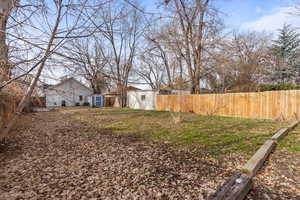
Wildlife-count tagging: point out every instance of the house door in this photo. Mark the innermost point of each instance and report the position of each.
(63, 103)
(99, 101)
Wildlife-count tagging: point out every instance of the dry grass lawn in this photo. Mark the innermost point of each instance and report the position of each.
(211, 134)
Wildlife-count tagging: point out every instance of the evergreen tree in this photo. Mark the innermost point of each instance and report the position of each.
(286, 52)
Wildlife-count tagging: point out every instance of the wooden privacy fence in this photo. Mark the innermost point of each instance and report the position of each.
(8, 105)
(281, 105)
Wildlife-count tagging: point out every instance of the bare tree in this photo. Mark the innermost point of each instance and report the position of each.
(199, 24)
(69, 23)
(88, 59)
(5, 10)
(122, 29)
(150, 70)
(240, 63)
(160, 51)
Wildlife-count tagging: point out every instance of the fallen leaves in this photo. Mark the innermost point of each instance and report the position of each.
(57, 157)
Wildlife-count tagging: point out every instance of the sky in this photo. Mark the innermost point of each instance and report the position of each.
(256, 15)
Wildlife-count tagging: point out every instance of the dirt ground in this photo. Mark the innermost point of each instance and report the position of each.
(54, 156)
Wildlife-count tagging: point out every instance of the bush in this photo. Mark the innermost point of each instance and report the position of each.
(287, 86)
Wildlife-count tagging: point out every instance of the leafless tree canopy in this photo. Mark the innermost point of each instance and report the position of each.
(56, 22)
(112, 44)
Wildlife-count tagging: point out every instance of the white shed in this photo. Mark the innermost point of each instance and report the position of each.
(142, 99)
(69, 92)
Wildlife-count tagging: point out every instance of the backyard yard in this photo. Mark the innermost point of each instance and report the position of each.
(84, 153)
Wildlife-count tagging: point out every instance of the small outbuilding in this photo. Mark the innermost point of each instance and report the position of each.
(146, 99)
(113, 97)
(142, 99)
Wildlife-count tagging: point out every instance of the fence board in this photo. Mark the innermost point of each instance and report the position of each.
(261, 105)
(7, 108)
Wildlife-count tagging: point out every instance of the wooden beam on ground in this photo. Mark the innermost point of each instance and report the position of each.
(238, 185)
(284, 131)
(235, 188)
(280, 134)
(293, 125)
(258, 159)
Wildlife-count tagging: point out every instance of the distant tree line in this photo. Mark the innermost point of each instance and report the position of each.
(191, 51)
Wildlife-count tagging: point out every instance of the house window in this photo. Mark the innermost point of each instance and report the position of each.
(143, 97)
(80, 98)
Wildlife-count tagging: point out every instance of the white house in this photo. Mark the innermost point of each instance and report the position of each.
(69, 92)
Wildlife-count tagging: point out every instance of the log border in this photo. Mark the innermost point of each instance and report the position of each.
(238, 185)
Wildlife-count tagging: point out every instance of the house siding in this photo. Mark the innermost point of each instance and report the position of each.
(68, 92)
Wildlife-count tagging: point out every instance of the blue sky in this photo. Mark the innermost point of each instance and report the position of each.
(258, 15)
(238, 13)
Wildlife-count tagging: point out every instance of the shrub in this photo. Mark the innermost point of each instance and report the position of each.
(287, 86)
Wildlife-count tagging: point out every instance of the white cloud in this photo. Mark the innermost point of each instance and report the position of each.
(274, 21)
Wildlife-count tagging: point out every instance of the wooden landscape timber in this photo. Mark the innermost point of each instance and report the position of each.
(280, 134)
(238, 185)
(274, 105)
(258, 159)
(235, 188)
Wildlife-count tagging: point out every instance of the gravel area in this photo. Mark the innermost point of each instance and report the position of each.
(53, 156)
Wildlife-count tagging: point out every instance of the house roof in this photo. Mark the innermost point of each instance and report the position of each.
(132, 88)
(69, 79)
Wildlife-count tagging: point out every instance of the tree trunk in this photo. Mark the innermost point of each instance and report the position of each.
(4, 65)
(195, 85)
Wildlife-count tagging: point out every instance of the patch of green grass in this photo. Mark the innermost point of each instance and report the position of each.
(212, 134)
(292, 141)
